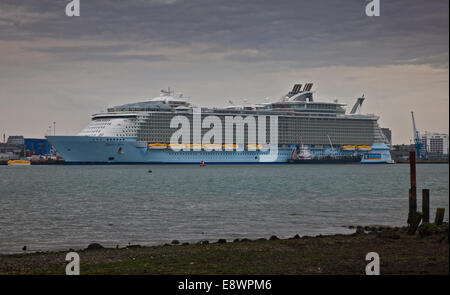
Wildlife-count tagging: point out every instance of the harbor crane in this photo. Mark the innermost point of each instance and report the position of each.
(417, 141)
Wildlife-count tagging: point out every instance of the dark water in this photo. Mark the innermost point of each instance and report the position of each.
(58, 207)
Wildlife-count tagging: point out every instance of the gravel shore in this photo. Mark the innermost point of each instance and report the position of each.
(424, 253)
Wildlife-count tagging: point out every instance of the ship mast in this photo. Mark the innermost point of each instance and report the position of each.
(331, 144)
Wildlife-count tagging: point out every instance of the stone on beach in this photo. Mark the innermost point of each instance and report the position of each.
(133, 246)
(359, 230)
(94, 246)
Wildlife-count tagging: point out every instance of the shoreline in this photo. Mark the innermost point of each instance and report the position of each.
(423, 253)
(44, 163)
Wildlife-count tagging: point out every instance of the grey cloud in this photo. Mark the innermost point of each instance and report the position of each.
(82, 48)
(304, 33)
(101, 53)
(123, 57)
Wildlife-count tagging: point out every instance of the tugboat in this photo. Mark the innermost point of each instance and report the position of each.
(327, 160)
(302, 155)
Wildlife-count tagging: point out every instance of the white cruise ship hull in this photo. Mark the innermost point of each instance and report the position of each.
(111, 150)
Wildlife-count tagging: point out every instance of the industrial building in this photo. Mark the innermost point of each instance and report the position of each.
(435, 143)
(17, 146)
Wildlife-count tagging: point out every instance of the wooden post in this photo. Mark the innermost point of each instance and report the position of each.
(426, 205)
(439, 219)
(412, 205)
(412, 168)
(416, 217)
(412, 190)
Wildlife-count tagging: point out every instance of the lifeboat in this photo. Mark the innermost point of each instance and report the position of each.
(19, 162)
(212, 146)
(195, 145)
(364, 147)
(254, 146)
(349, 147)
(157, 145)
(177, 146)
(232, 146)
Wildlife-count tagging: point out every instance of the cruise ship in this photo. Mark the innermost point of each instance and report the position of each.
(294, 127)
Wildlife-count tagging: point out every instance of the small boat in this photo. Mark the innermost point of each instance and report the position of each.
(177, 146)
(212, 146)
(254, 146)
(230, 146)
(195, 146)
(301, 152)
(327, 160)
(19, 162)
(348, 147)
(364, 147)
(202, 163)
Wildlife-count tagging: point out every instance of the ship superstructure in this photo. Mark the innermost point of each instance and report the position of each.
(141, 132)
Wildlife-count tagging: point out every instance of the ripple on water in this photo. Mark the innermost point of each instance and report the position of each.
(61, 207)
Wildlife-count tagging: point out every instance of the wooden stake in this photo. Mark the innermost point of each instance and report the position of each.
(416, 217)
(439, 219)
(426, 205)
(412, 190)
(412, 169)
(412, 205)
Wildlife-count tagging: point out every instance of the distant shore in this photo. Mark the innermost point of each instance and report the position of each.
(424, 253)
(62, 162)
(421, 161)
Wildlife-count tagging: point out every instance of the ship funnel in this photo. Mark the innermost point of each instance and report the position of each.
(308, 87)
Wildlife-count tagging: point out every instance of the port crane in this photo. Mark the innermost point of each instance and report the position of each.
(417, 141)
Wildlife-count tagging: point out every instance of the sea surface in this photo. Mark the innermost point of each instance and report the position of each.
(58, 207)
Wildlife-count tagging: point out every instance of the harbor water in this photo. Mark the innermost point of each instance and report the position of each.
(60, 207)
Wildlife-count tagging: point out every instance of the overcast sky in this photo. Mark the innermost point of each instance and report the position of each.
(63, 69)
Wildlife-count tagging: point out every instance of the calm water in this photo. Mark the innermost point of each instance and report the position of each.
(58, 207)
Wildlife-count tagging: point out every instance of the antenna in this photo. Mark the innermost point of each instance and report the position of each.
(358, 105)
(332, 149)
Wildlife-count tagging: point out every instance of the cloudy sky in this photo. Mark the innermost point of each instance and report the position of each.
(63, 69)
